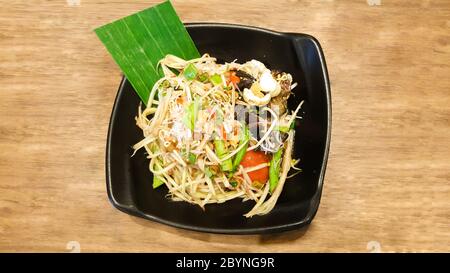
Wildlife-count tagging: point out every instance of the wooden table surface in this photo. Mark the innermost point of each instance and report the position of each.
(387, 185)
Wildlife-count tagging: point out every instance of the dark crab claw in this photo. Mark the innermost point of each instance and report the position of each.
(246, 80)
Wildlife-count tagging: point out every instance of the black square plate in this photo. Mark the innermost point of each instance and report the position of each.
(129, 181)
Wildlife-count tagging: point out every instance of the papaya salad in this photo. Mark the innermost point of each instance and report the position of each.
(215, 132)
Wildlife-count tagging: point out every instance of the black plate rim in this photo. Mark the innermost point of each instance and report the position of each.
(315, 200)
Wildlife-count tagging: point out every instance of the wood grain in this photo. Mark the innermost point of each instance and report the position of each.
(388, 177)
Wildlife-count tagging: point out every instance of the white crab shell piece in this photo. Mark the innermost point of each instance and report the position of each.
(254, 68)
(253, 99)
(258, 66)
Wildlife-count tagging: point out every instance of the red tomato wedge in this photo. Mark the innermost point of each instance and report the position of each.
(255, 158)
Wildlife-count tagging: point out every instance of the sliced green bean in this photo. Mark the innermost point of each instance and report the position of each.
(274, 169)
(227, 165)
(240, 155)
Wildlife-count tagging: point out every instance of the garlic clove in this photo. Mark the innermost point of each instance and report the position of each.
(276, 92)
(267, 82)
(256, 98)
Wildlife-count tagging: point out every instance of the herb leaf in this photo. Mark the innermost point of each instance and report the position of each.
(137, 43)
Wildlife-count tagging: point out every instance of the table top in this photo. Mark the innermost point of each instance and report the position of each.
(387, 185)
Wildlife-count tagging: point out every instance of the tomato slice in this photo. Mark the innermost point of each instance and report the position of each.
(255, 158)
